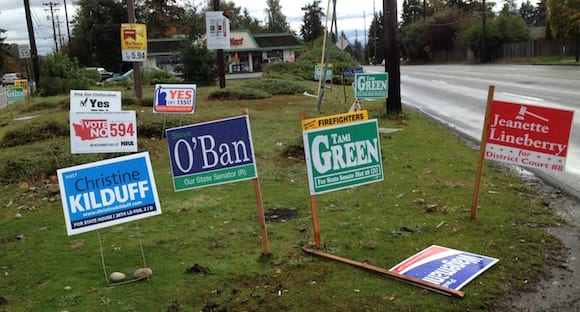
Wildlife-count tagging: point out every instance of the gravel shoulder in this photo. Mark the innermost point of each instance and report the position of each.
(561, 292)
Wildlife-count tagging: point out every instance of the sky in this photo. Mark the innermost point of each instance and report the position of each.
(353, 17)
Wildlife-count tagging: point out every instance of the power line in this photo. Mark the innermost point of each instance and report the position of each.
(52, 6)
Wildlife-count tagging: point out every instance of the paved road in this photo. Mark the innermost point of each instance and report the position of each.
(456, 95)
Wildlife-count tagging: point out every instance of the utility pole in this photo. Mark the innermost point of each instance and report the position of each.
(376, 20)
(392, 62)
(67, 28)
(483, 35)
(52, 7)
(365, 30)
(136, 65)
(220, 54)
(33, 50)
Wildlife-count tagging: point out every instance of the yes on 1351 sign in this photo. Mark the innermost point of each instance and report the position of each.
(531, 136)
(174, 98)
(211, 153)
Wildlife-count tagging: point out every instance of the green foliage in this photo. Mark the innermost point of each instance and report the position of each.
(279, 86)
(95, 39)
(275, 19)
(413, 38)
(500, 30)
(311, 27)
(238, 93)
(311, 57)
(564, 18)
(35, 131)
(199, 65)
(59, 74)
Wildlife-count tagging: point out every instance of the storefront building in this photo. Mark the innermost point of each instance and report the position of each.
(247, 52)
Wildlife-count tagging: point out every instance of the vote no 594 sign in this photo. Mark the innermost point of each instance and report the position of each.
(343, 156)
(103, 132)
(527, 135)
(108, 192)
(211, 153)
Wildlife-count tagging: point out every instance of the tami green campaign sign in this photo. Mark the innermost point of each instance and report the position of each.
(343, 156)
(371, 86)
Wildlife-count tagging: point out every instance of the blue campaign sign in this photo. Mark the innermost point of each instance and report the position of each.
(444, 266)
(108, 192)
(349, 72)
(211, 153)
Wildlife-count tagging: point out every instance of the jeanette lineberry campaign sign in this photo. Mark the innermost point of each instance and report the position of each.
(527, 135)
(108, 192)
(444, 266)
(211, 153)
(174, 98)
(103, 132)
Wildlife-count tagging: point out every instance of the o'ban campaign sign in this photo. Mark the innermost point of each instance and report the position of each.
(211, 153)
(530, 136)
(108, 192)
(343, 156)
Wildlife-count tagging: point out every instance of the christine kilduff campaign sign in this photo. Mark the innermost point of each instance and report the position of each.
(108, 192)
(444, 266)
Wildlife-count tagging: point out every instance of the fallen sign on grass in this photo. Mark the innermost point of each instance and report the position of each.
(444, 266)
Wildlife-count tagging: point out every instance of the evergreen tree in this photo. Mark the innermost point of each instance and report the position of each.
(529, 13)
(275, 19)
(312, 22)
(164, 18)
(95, 38)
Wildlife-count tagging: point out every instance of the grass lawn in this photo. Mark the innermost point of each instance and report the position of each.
(205, 249)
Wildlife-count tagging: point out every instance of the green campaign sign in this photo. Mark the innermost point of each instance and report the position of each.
(371, 86)
(343, 156)
(318, 72)
(15, 94)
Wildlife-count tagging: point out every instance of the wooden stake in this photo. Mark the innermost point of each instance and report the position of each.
(387, 273)
(314, 209)
(482, 146)
(260, 209)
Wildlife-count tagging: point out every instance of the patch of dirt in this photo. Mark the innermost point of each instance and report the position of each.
(280, 214)
(294, 152)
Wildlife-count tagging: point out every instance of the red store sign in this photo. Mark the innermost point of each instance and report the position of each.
(527, 135)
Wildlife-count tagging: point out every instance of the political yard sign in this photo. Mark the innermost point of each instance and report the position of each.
(211, 153)
(343, 156)
(103, 132)
(108, 192)
(174, 98)
(444, 266)
(95, 101)
(371, 86)
(531, 136)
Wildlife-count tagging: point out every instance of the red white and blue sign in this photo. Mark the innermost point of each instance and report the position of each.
(174, 98)
(211, 153)
(445, 266)
(108, 192)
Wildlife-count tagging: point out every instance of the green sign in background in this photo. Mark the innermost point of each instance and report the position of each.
(15, 94)
(343, 156)
(371, 86)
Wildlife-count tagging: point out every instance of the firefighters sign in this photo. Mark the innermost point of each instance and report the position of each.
(531, 136)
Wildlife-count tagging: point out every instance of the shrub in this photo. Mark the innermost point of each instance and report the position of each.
(60, 74)
(239, 93)
(34, 132)
(279, 86)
